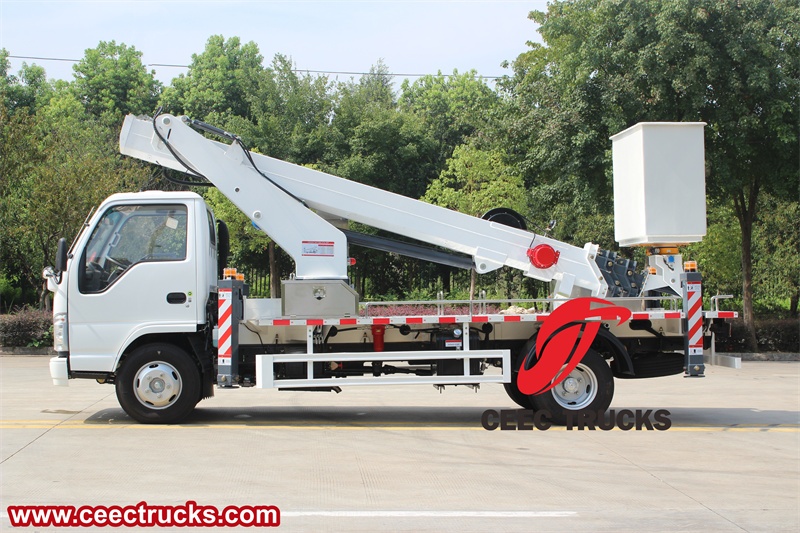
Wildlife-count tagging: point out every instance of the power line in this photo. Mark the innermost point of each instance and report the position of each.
(45, 58)
(308, 71)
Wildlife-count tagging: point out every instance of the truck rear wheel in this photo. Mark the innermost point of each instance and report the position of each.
(589, 387)
(158, 384)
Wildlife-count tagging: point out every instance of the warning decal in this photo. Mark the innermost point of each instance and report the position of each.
(317, 248)
(225, 328)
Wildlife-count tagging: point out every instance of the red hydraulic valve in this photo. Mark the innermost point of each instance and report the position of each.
(543, 256)
(377, 337)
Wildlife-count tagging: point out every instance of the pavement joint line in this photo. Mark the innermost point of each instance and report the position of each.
(315, 423)
(682, 492)
(391, 427)
(48, 428)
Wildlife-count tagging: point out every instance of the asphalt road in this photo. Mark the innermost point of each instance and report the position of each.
(411, 459)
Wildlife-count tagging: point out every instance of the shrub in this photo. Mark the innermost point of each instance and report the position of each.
(426, 310)
(779, 335)
(26, 327)
(10, 291)
(774, 335)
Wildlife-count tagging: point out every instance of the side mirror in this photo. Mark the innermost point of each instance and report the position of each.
(61, 255)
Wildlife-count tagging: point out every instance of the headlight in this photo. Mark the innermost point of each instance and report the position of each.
(60, 340)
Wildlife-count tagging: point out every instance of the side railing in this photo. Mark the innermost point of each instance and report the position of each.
(483, 306)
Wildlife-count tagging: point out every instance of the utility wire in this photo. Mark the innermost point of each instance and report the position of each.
(346, 73)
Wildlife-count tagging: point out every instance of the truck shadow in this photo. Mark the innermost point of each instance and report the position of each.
(431, 416)
(316, 416)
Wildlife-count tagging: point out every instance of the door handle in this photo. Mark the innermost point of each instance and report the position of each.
(176, 298)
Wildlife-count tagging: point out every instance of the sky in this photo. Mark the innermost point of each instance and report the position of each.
(412, 37)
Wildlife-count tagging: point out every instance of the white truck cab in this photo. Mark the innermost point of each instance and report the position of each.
(150, 255)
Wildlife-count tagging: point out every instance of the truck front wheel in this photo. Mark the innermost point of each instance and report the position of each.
(589, 387)
(158, 384)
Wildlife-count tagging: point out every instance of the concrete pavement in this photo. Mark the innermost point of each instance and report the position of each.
(411, 459)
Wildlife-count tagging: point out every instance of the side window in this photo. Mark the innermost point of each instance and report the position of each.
(130, 235)
(212, 231)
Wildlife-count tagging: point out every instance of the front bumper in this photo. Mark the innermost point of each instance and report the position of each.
(59, 371)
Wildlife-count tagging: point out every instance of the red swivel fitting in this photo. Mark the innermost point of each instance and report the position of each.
(543, 256)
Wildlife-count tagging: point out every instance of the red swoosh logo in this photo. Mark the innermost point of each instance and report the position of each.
(563, 340)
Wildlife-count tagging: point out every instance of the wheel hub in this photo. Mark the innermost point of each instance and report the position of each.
(578, 389)
(158, 385)
(571, 385)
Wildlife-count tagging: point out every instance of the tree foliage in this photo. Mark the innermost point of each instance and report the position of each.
(111, 82)
(290, 114)
(776, 254)
(54, 169)
(28, 91)
(476, 181)
(455, 108)
(608, 65)
(539, 144)
(221, 80)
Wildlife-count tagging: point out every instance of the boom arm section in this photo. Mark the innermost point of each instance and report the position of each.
(317, 247)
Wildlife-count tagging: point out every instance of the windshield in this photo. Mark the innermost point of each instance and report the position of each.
(129, 235)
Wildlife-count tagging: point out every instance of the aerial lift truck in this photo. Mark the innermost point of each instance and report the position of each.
(143, 301)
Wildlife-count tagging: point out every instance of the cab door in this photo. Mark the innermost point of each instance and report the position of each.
(136, 275)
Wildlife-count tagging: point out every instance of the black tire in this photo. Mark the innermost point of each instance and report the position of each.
(591, 389)
(523, 400)
(174, 384)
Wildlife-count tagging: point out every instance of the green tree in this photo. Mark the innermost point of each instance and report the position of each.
(392, 151)
(720, 253)
(356, 101)
(474, 182)
(372, 142)
(454, 107)
(290, 114)
(29, 90)
(375, 87)
(54, 166)
(777, 253)
(607, 65)
(221, 80)
(111, 81)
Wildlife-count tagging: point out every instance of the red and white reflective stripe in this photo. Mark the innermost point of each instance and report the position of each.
(225, 326)
(434, 319)
(694, 320)
(460, 319)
